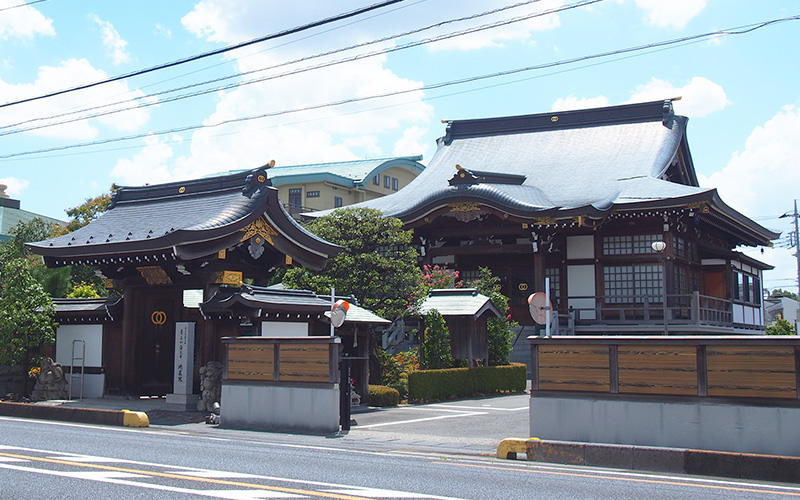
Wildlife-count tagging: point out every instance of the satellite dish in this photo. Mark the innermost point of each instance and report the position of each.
(339, 312)
(539, 307)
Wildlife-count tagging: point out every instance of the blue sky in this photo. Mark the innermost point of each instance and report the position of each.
(740, 92)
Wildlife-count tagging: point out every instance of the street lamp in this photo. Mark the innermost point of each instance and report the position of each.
(660, 248)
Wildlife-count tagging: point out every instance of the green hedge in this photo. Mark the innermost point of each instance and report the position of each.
(380, 395)
(430, 385)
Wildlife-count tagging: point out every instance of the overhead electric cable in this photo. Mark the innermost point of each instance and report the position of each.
(22, 5)
(215, 52)
(143, 103)
(731, 31)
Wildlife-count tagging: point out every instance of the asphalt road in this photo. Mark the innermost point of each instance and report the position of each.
(40, 459)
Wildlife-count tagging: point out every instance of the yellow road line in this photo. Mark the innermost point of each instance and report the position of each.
(169, 475)
(628, 479)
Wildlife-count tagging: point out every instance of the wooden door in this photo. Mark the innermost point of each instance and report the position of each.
(156, 342)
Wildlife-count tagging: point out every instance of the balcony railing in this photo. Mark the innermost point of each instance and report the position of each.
(648, 311)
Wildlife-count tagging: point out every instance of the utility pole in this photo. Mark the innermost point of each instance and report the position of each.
(796, 248)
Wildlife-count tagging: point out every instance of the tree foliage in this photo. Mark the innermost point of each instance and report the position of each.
(436, 343)
(56, 282)
(26, 313)
(781, 327)
(778, 293)
(376, 264)
(88, 211)
(498, 330)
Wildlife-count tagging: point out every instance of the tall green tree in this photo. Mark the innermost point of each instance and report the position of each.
(436, 343)
(376, 265)
(55, 281)
(26, 313)
(498, 330)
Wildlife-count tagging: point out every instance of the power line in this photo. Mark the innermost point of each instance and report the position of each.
(215, 52)
(22, 5)
(731, 31)
(143, 100)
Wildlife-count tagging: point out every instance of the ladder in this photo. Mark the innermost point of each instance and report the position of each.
(77, 343)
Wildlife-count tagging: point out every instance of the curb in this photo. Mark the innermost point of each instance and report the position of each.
(79, 415)
(648, 458)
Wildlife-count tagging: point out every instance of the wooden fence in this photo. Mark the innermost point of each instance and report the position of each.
(696, 367)
(281, 360)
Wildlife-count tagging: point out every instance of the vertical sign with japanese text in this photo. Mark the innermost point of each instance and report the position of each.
(184, 358)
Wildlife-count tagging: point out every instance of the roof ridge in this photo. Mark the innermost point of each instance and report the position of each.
(559, 120)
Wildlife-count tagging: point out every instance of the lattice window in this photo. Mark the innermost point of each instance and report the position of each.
(554, 274)
(631, 284)
(629, 245)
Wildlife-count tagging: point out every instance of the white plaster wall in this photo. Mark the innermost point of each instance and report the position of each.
(94, 385)
(91, 334)
(701, 425)
(301, 409)
(580, 282)
(284, 329)
(580, 247)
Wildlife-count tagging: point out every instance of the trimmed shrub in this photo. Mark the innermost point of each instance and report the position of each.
(380, 395)
(431, 385)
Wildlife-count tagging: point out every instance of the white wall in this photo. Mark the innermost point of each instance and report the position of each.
(302, 409)
(284, 329)
(93, 384)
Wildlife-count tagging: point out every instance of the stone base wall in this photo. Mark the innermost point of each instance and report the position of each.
(699, 425)
(281, 408)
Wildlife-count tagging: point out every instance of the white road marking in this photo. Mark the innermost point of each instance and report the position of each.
(478, 407)
(254, 493)
(471, 414)
(379, 493)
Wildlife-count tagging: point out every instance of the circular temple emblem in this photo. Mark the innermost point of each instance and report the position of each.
(261, 179)
(522, 287)
(158, 317)
(182, 189)
(553, 119)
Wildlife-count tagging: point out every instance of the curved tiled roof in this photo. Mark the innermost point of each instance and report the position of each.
(585, 162)
(169, 217)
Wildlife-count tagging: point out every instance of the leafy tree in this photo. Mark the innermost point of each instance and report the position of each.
(778, 293)
(83, 291)
(88, 211)
(498, 330)
(56, 282)
(376, 264)
(781, 327)
(26, 313)
(436, 343)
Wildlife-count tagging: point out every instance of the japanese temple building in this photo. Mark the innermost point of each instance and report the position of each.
(171, 247)
(580, 197)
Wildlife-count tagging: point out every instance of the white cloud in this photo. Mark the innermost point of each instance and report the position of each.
(671, 13)
(71, 73)
(148, 166)
(23, 22)
(163, 31)
(699, 97)
(572, 102)
(333, 133)
(112, 41)
(762, 180)
(411, 142)
(14, 187)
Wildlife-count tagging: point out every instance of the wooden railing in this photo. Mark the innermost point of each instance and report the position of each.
(697, 366)
(682, 309)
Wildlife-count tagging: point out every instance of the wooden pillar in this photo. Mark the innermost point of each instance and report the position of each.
(129, 319)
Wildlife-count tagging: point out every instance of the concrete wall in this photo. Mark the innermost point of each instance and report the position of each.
(284, 408)
(699, 425)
